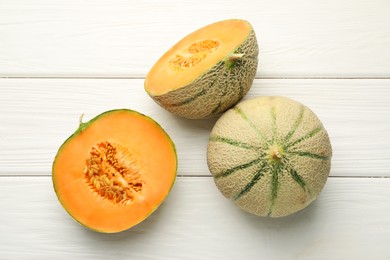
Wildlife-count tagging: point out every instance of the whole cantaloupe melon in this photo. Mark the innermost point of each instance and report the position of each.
(270, 155)
(206, 72)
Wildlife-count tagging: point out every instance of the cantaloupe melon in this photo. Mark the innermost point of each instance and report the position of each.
(270, 155)
(206, 72)
(115, 170)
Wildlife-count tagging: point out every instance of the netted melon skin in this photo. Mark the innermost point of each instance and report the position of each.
(270, 155)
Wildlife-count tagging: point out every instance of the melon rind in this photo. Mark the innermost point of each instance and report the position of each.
(219, 88)
(238, 156)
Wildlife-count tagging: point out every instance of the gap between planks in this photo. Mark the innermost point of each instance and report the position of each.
(141, 77)
(189, 176)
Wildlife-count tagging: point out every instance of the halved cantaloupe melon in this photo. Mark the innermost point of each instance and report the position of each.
(206, 72)
(115, 170)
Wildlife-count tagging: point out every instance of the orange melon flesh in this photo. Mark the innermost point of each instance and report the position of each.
(226, 35)
(145, 140)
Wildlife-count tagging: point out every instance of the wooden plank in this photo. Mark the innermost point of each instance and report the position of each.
(348, 221)
(37, 115)
(301, 38)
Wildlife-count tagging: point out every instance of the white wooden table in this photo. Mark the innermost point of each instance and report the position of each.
(62, 58)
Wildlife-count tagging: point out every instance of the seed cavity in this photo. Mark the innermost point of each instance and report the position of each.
(194, 54)
(112, 171)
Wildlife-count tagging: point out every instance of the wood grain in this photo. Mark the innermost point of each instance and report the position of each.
(303, 38)
(348, 221)
(37, 115)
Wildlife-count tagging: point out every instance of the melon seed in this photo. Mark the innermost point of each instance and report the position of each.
(108, 168)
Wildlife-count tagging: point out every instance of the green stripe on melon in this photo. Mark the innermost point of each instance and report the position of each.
(270, 155)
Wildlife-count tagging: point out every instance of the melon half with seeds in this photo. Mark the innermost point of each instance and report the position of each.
(270, 155)
(206, 72)
(115, 170)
